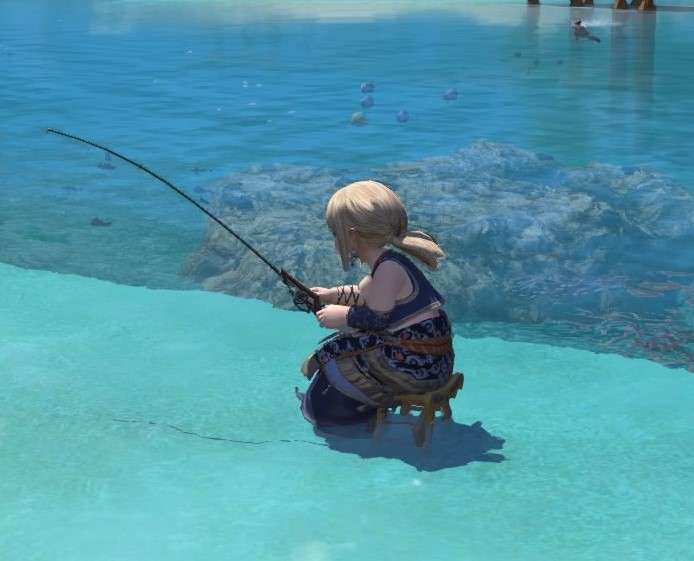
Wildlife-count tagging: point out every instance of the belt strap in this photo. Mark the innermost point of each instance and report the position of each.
(429, 346)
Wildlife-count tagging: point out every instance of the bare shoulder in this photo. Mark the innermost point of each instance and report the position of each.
(390, 270)
(393, 275)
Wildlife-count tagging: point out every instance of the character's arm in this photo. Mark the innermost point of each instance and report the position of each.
(347, 295)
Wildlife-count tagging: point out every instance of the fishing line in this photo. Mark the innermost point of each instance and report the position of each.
(219, 438)
(238, 441)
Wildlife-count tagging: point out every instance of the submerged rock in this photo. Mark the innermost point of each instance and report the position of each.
(527, 240)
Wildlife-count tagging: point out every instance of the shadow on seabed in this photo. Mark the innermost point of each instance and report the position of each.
(451, 445)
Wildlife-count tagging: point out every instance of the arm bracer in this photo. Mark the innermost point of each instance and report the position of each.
(363, 317)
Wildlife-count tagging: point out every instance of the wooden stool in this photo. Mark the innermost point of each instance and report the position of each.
(428, 404)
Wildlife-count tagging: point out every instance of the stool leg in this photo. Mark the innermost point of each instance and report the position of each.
(376, 421)
(419, 430)
(446, 412)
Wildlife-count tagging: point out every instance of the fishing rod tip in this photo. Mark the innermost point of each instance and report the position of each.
(57, 131)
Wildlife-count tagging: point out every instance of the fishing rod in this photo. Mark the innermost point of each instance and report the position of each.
(303, 297)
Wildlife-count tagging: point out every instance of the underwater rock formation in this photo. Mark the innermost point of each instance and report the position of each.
(600, 249)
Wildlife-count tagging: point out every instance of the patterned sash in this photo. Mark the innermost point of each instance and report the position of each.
(379, 381)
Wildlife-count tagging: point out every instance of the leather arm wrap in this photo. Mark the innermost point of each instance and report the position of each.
(348, 299)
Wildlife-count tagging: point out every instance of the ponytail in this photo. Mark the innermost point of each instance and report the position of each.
(420, 245)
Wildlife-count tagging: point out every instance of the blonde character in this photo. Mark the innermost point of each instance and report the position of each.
(395, 337)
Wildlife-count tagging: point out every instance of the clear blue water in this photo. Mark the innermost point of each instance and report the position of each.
(142, 417)
(203, 92)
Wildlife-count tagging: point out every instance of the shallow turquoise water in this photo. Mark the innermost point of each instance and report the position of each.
(160, 423)
(579, 456)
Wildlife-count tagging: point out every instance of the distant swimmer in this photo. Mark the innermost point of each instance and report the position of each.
(96, 221)
(580, 32)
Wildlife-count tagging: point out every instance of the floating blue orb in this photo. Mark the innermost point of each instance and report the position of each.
(450, 95)
(368, 87)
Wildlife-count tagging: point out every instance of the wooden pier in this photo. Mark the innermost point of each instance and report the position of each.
(640, 5)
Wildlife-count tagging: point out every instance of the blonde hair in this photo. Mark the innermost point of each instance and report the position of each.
(378, 216)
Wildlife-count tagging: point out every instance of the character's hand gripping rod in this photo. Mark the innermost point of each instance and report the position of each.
(302, 296)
